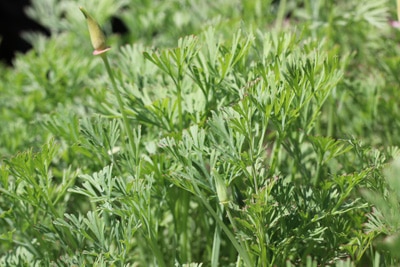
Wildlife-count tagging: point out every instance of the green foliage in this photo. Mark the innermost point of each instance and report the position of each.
(384, 219)
(218, 134)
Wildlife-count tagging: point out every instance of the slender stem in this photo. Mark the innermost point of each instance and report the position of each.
(237, 244)
(180, 110)
(120, 102)
(216, 242)
(281, 14)
(179, 92)
(181, 223)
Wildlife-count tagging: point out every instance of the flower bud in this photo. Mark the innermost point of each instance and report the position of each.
(96, 34)
(223, 191)
(398, 10)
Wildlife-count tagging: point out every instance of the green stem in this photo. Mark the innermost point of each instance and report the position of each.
(238, 245)
(183, 225)
(216, 242)
(281, 14)
(120, 102)
(179, 91)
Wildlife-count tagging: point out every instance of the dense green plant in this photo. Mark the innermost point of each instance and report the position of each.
(216, 136)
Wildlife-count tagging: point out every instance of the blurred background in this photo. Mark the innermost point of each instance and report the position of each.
(14, 21)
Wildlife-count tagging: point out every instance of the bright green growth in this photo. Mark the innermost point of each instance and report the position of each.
(239, 146)
(99, 44)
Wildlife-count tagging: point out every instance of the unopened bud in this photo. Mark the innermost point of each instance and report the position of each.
(96, 34)
(398, 10)
(222, 189)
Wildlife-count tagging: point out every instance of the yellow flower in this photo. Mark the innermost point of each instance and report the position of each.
(96, 34)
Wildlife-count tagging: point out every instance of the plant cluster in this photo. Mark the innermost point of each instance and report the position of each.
(216, 133)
